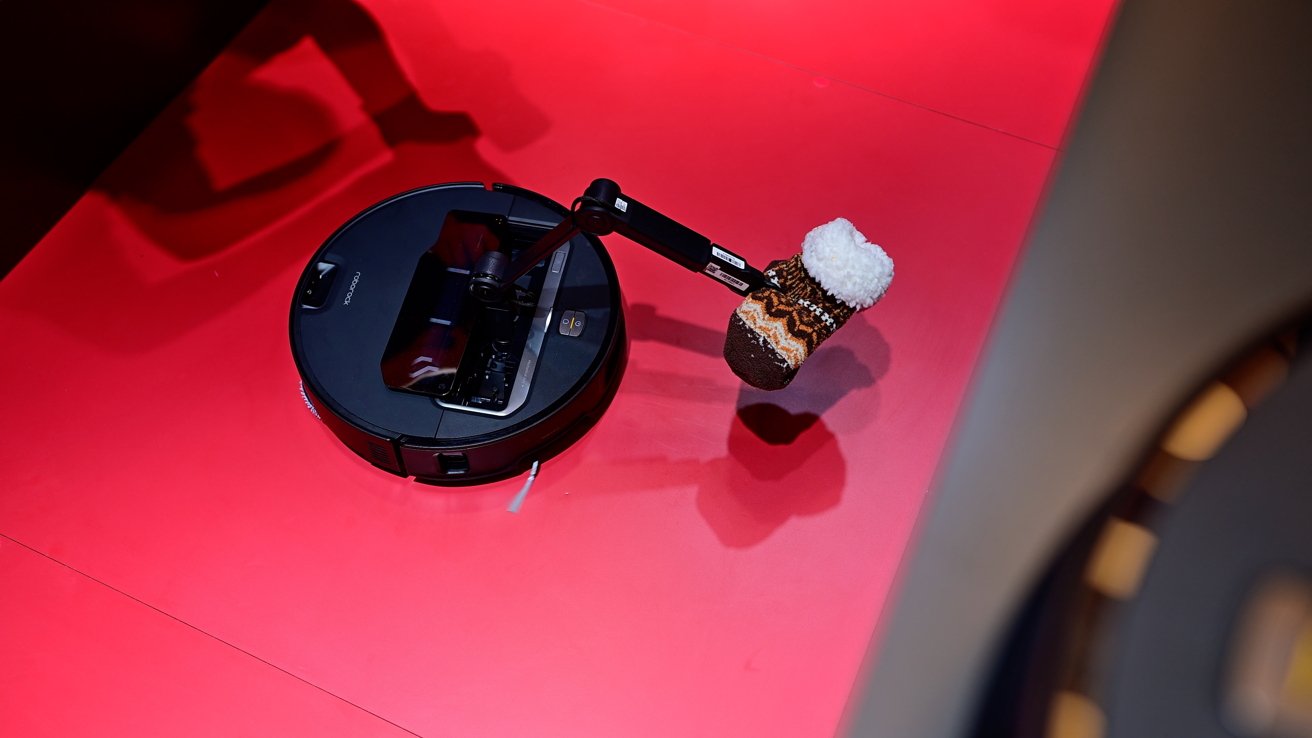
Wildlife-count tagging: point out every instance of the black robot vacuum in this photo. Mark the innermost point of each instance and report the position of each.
(421, 378)
(459, 333)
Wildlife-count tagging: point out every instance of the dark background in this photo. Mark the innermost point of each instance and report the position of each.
(1175, 233)
(81, 80)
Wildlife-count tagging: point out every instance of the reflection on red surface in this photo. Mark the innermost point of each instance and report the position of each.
(779, 462)
(709, 559)
(779, 465)
(302, 99)
(287, 134)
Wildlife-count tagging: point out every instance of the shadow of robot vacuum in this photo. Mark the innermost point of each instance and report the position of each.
(458, 334)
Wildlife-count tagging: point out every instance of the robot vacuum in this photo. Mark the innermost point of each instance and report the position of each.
(425, 357)
(459, 333)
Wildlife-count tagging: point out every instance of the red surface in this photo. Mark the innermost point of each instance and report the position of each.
(82, 659)
(1013, 65)
(709, 560)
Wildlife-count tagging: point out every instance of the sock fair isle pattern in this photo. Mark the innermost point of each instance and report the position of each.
(775, 329)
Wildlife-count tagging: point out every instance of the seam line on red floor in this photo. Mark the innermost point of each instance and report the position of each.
(182, 622)
(804, 70)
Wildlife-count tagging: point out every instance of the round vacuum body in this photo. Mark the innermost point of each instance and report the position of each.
(421, 379)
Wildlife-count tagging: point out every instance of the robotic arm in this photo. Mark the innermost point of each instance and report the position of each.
(604, 209)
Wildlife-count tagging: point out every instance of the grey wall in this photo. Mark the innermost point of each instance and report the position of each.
(1178, 228)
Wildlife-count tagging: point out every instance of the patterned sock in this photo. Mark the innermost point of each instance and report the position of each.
(774, 330)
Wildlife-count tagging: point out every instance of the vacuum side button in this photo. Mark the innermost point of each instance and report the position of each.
(453, 464)
(571, 323)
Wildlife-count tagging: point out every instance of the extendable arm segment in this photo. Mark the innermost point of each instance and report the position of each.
(604, 209)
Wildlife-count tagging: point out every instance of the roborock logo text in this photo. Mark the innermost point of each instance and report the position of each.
(350, 291)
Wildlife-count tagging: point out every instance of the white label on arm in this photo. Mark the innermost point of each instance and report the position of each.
(727, 257)
(725, 277)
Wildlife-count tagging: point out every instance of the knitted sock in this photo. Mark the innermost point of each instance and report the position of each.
(774, 330)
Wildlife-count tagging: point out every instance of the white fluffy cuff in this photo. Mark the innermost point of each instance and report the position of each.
(848, 266)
